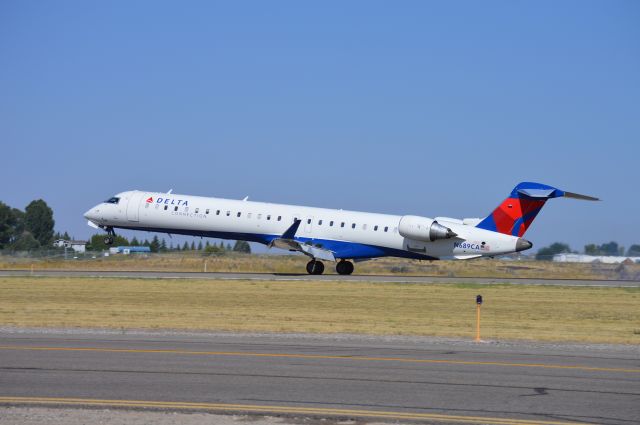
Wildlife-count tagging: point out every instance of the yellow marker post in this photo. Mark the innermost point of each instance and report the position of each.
(478, 305)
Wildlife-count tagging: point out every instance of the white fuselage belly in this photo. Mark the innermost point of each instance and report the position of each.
(261, 222)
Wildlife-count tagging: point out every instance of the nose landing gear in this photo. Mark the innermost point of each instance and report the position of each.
(344, 267)
(108, 240)
(315, 267)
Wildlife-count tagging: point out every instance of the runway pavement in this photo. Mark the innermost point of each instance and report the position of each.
(328, 277)
(346, 377)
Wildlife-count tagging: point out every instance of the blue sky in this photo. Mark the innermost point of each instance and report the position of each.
(395, 107)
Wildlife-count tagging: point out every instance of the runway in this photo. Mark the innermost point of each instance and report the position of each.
(387, 379)
(328, 277)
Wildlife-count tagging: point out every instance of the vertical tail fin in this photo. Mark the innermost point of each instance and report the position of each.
(516, 213)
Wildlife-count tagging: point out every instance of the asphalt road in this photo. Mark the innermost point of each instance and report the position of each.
(348, 377)
(306, 277)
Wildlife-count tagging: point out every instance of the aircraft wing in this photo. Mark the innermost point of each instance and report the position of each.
(287, 241)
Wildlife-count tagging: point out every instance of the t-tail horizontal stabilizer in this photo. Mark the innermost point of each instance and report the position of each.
(516, 213)
(287, 241)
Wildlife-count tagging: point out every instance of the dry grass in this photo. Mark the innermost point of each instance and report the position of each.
(586, 314)
(296, 263)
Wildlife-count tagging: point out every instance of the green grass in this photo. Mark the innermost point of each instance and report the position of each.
(549, 313)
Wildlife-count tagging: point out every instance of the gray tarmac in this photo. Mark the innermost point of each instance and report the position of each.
(328, 277)
(373, 378)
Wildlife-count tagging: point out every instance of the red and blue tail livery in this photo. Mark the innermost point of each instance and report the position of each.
(516, 213)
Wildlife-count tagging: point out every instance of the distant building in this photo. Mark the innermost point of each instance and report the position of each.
(129, 249)
(77, 246)
(605, 259)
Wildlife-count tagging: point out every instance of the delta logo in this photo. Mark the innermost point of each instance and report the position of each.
(170, 201)
(150, 200)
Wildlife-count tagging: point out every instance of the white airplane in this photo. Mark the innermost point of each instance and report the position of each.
(328, 234)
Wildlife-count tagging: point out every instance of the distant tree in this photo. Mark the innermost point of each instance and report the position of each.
(155, 244)
(634, 251)
(228, 248)
(221, 245)
(193, 246)
(38, 220)
(25, 242)
(7, 225)
(163, 246)
(242, 246)
(146, 243)
(185, 247)
(591, 249)
(134, 241)
(200, 246)
(611, 248)
(207, 244)
(547, 253)
(213, 250)
(19, 226)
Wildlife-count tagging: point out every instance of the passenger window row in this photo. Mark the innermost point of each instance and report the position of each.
(279, 218)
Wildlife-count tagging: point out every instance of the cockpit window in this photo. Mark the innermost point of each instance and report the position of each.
(113, 200)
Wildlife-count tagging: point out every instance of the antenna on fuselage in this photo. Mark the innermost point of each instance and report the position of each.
(245, 198)
(169, 192)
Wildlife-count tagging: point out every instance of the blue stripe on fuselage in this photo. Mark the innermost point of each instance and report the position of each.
(341, 249)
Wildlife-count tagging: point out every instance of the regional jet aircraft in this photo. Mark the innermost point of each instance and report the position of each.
(328, 234)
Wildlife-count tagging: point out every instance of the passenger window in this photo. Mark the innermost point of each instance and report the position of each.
(279, 217)
(319, 222)
(375, 228)
(386, 228)
(353, 225)
(308, 221)
(239, 213)
(196, 211)
(217, 212)
(165, 207)
(175, 208)
(342, 224)
(207, 211)
(268, 216)
(228, 213)
(331, 223)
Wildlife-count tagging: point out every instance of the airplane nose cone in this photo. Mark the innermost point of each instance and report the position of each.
(523, 244)
(90, 215)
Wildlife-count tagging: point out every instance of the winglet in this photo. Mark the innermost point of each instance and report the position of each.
(290, 233)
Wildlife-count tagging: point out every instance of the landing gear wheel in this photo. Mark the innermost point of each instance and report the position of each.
(108, 240)
(344, 267)
(315, 267)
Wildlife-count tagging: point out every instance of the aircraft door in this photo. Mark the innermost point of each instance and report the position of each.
(133, 207)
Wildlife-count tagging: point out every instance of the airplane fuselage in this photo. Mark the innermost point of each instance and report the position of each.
(343, 234)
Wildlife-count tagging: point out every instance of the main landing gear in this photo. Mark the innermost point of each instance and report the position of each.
(315, 267)
(108, 239)
(344, 267)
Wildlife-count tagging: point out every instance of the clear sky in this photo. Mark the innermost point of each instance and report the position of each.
(430, 108)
